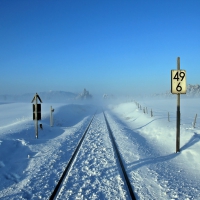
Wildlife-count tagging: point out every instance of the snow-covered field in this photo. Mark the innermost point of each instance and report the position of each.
(30, 168)
(148, 145)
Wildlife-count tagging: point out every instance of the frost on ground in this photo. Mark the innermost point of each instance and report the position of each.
(30, 168)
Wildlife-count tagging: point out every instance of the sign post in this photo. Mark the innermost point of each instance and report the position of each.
(51, 116)
(36, 113)
(178, 86)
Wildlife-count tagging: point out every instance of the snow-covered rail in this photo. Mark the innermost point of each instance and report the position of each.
(96, 170)
(67, 169)
(120, 160)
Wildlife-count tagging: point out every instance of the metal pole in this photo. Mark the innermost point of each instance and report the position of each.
(51, 117)
(36, 118)
(195, 121)
(178, 115)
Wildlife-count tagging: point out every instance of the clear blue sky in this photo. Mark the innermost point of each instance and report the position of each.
(105, 46)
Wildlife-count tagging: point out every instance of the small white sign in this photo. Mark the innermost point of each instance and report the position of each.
(178, 82)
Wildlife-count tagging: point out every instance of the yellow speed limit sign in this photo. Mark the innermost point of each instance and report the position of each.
(178, 82)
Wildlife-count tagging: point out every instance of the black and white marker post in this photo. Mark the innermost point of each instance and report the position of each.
(36, 113)
(178, 86)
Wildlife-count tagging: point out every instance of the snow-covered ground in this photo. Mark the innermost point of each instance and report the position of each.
(148, 146)
(30, 168)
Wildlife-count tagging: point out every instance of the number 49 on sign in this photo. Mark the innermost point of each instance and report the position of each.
(178, 82)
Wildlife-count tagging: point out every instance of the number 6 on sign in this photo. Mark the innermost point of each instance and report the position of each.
(178, 82)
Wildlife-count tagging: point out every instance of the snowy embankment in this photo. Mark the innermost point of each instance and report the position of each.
(148, 146)
(30, 168)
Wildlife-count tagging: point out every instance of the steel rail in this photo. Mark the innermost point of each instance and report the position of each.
(70, 163)
(120, 160)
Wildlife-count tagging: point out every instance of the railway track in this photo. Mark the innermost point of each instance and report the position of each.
(120, 160)
(102, 159)
(66, 171)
